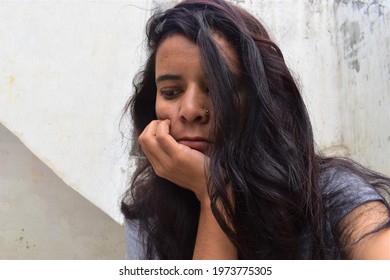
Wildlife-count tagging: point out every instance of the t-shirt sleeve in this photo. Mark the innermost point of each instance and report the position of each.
(344, 191)
(135, 247)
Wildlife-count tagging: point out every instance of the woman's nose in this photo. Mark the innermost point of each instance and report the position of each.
(194, 106)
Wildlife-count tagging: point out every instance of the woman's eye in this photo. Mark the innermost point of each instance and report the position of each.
(170, 93)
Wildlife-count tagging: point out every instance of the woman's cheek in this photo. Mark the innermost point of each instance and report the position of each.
(163, 112)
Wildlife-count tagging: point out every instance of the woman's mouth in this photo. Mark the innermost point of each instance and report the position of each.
(200, 145)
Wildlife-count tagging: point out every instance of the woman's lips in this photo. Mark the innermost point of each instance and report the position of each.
(199, 145)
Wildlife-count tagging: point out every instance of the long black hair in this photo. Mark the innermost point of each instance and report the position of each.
(266, 154)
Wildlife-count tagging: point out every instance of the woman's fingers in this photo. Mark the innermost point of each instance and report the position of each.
(164, 139)
(157, 145)
(150, 145)
(171, 160)
(149, 131)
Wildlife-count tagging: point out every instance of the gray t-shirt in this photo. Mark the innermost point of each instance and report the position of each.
(343, 191)
(135, 246)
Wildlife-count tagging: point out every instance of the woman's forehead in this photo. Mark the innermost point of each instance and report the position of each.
(228, 52)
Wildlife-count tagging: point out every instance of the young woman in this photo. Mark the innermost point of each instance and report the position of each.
(226, 165)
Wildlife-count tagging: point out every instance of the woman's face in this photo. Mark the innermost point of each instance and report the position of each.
(182, 90)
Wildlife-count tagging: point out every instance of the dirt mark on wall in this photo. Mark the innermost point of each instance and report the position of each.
(11, 81)
(353, 41)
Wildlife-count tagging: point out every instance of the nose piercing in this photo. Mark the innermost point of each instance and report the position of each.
(206, 111)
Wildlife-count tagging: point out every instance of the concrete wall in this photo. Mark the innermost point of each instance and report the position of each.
(66, 71)
(340, 53)
(42, 218)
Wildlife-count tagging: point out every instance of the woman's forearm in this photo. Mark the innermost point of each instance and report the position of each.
(211, 241)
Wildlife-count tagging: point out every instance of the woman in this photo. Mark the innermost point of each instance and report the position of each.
(226, 164)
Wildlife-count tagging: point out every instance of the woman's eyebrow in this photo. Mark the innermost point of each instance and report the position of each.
(168, 77)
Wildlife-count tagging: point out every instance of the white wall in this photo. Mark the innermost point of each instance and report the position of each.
(66, 71)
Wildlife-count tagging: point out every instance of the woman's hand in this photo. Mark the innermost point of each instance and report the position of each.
(186, 167)
(173, 161)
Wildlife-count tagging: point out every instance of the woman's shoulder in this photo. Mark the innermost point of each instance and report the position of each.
(344, 188)
(335, 178)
